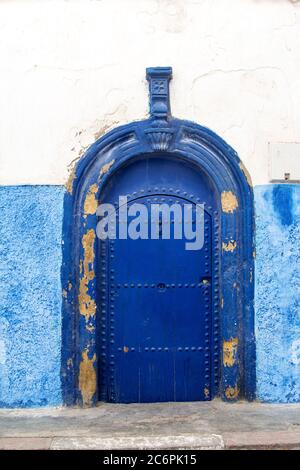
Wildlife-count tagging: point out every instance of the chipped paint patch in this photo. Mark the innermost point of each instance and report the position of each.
(72, 175)
(230, 352)
(64, 293)
(254, 254)
(230, 246)
(222, 302)
(246, 173)
(91, 203)
(106, 168)
(232, 392)
(105, 128)
(251, 275)
(125, 349)
(90, 328)
(87, 305)
(229, 202)
(206, 392)
(87, 378)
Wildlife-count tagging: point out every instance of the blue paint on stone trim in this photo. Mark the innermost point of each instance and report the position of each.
(277, 292)
(30, 295)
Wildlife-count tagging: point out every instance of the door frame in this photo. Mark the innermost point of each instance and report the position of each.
(197, 145)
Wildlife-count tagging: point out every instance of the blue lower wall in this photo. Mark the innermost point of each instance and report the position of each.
(277, 297)
(30, 294)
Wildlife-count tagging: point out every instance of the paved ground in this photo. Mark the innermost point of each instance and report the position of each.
(214, 425)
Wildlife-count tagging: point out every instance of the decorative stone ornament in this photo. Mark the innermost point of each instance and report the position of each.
(159, 79)
(160, 134)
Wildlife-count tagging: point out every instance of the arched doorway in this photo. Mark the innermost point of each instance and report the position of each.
(205, 344)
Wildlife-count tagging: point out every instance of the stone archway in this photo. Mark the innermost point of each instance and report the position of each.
(234, 294)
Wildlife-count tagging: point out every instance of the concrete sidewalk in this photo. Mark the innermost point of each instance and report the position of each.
(214, 425)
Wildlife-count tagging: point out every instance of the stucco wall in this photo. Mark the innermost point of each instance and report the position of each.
(71, 69)
(277, 297)
(30, 295)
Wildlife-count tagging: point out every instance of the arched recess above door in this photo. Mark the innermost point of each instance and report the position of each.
(197, 146)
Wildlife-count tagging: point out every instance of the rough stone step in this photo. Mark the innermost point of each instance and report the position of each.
(205, 442)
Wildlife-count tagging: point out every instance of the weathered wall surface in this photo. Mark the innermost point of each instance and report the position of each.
(30, 296)
(277, 298)
(71, 69)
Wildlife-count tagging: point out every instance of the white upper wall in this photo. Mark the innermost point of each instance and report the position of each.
(72, 69)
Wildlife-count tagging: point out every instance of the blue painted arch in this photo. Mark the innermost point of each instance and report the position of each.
(197, 145)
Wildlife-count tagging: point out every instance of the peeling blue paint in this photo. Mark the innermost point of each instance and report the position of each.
(277, 297)
(30, 295)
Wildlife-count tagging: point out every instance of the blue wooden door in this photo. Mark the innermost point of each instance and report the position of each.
(157, 329)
